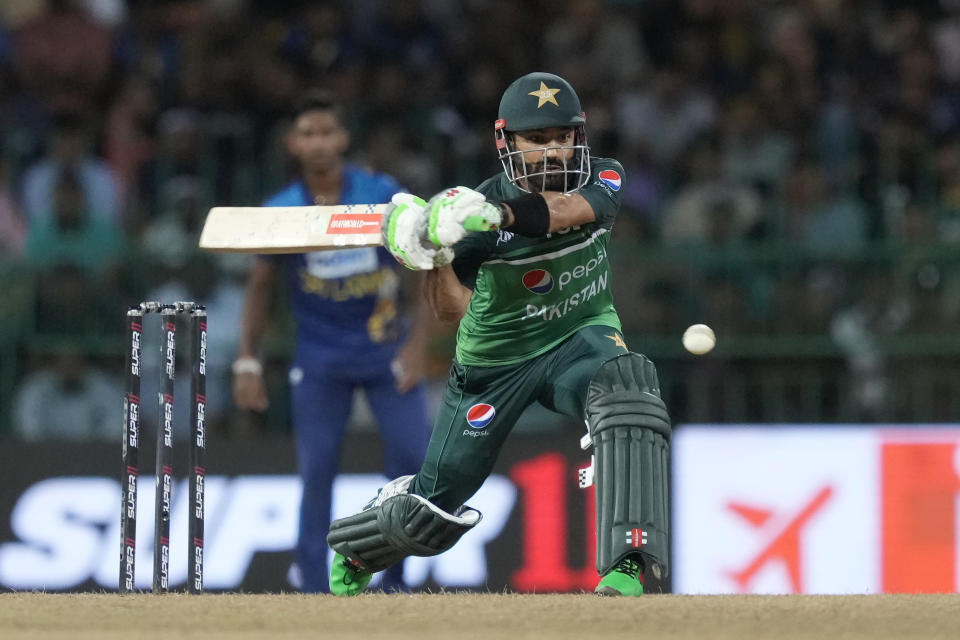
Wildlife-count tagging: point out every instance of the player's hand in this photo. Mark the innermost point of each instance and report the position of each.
(249, 392)
(404, 231)
(454, 212)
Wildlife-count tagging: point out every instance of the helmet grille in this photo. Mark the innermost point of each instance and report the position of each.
(531, 170)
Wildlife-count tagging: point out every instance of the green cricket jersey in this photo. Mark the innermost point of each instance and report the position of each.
(530, 294)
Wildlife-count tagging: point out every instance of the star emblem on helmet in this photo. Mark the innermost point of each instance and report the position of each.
(544, 95)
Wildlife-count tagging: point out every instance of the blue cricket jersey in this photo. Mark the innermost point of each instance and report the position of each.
(345, 302)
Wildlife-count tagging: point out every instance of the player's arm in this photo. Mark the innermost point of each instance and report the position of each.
(551, 210)
(249, 391)
(446, 296)
(454, 213)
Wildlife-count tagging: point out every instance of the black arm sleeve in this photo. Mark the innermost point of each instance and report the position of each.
(531, 215)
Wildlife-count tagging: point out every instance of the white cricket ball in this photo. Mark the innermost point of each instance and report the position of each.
(699, 339)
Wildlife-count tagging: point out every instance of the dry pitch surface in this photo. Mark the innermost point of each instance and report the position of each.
(467, 616)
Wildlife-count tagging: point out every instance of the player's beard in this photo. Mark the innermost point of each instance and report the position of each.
(537, 181)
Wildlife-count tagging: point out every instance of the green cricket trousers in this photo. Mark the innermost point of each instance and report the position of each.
(481, 404)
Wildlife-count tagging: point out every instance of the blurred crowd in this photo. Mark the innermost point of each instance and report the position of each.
(792, 167)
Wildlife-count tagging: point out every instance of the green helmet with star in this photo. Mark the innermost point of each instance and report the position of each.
(542, 100)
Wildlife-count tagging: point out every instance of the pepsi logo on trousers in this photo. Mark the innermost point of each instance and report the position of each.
(480, 415)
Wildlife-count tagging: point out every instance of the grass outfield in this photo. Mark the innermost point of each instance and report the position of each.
(486, 616)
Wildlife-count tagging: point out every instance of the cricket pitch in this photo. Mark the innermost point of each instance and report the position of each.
(469, 615)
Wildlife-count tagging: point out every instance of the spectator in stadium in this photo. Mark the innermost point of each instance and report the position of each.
(61, 57)
(172, 235)
(665, 115)
(72, 232)
(818, 213)
(594, 47)
(66, 400)
(69, 151)
(708, 208)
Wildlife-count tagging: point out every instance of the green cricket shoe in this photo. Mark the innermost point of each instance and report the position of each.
(622, 580)
(345, 579)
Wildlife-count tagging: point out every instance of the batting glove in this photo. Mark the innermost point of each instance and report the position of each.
(403, 229)
(454, 212)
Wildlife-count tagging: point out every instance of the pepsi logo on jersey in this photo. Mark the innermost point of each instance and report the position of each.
(610, 178)
(539, 281)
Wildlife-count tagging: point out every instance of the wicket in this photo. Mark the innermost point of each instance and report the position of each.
(164, 467)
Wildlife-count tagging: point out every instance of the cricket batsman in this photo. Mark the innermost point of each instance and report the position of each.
(521, 262)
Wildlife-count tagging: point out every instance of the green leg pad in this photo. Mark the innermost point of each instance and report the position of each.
(631, 497)
(630, 429)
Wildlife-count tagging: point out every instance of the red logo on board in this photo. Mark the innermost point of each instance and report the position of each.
(354, 223)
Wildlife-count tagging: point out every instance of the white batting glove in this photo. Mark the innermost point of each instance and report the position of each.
(404, 227)
(454, 212)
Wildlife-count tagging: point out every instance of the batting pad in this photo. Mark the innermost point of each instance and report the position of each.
(630, 427)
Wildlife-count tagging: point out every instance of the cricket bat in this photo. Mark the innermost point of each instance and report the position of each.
(291, 229)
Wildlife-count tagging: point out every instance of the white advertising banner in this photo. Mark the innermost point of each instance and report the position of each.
(67, 531)
(815, 509)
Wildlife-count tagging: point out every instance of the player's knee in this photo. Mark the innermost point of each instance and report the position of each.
(625, 392)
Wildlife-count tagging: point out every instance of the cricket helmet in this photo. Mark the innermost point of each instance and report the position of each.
(542, 100)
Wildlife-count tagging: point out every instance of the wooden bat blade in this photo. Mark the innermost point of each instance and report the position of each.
(291, 229)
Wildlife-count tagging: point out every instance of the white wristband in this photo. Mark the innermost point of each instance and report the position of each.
(247, 365)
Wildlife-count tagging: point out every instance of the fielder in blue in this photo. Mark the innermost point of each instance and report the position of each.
(351, 334)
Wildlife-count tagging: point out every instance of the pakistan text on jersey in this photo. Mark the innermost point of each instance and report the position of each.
(557, 311)
(358, 286)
